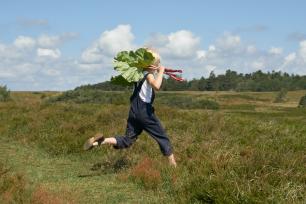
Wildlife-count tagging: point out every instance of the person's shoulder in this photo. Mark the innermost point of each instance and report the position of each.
(150, 76)
(147, 73)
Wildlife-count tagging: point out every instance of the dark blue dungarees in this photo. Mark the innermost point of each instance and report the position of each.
(142, 117)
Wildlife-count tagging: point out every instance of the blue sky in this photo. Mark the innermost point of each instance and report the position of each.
(58, 45)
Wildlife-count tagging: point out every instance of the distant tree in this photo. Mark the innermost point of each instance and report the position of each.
(210, 85)
(231, 80)
(193, 85)
(4, 93)
(202, 83)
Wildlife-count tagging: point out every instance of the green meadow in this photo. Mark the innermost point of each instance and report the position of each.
(231, 147)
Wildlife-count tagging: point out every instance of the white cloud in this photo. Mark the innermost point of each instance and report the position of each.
(251, 49)
(23, 42)
(6, 74)
(211, 48)
(120, 38)
(276, 50)
(302, 51)
(228, 41)
(26, 66)
(290, 58)
(295, 62)
(106, 46)
(256, 65)
(180, 44)
(48, 53)
(52, 72)
(157, 40)
(47, 41)
(28, 61)
(201, 54)
(92, 55)
(25, 22)
(2, 50)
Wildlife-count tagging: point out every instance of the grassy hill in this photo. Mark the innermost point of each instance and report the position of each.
(241, 148)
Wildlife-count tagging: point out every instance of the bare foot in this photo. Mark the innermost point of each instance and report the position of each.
(172, 161)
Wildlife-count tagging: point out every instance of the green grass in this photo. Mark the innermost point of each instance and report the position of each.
(247, 151)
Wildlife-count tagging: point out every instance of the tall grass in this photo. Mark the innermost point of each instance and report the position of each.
(241, 156)
(16, 188)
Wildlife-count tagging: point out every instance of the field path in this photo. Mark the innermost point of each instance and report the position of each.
(64, 174)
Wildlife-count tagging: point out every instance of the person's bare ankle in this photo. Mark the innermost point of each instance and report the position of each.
(172, 161)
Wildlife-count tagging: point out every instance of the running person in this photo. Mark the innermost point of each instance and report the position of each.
(141, 115)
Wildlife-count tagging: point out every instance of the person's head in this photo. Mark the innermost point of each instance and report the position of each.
(155, 54)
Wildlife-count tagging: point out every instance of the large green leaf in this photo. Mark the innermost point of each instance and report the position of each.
(119, 80)
(130, 64)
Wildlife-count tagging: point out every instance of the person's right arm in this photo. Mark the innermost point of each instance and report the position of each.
(156, 82)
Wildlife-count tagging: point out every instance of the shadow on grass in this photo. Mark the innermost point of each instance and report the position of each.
(107, 167)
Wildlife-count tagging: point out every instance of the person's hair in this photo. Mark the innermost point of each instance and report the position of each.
(155, 54)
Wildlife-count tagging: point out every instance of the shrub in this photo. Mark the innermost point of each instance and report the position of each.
(302, 102)
(122, 98)
(13, 188)
(4, 93)
(281, 96)
(145, 174)
(186, 102)
(92, 96)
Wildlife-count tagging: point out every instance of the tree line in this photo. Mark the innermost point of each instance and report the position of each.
(229, 81)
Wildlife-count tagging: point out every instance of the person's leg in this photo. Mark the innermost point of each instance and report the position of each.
(133, 129)
(153, 126)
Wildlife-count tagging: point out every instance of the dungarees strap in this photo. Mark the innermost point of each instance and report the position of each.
(137, 88)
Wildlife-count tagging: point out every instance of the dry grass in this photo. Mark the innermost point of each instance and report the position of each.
(251, 150)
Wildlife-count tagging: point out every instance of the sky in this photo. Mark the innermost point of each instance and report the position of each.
(59, 45)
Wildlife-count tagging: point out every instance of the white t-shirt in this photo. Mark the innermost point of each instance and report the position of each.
(145, 92)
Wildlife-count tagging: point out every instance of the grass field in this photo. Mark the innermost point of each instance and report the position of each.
(246, 150)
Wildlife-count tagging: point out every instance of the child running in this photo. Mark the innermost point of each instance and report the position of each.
(141, 115)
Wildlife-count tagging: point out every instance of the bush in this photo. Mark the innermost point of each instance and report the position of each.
(281, 96)
(92, 96)
(186, 102)
(146, 174)
(13, 188)
(122, 98)
(302, 102)
(4, 93)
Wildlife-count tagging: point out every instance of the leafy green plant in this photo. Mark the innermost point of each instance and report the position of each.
(130, 65)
